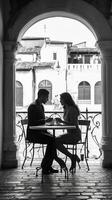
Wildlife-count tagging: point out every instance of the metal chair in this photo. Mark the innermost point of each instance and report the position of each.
(29, 147)
(82, 146)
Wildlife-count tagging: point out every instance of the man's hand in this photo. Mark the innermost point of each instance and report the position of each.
(59, 120)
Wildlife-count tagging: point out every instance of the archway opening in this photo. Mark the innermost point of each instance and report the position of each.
(61, 59)
(47, 46)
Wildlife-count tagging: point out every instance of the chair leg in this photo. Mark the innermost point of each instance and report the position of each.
(66, 156)
(79, 165)
(25, 156)
(32, 154)
(86, 158)
(43, 149)
(66, 173)
(75, 150)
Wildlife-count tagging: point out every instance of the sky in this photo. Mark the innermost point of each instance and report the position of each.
(62, 29)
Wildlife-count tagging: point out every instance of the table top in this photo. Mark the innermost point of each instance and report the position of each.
(52, 126)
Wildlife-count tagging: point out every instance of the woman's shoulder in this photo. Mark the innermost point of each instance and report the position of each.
(73, 109)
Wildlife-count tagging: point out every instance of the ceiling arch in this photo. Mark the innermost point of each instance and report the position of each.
(78, 10)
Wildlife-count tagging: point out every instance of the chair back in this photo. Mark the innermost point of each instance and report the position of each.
(24, 123)
(84, 151)
(84, 127)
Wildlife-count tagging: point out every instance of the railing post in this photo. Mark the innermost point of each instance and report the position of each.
(86, 113)
(87, 136)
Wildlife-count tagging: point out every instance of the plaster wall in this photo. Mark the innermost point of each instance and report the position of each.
(47, 54)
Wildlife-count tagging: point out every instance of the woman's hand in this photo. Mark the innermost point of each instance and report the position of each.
(49, 119)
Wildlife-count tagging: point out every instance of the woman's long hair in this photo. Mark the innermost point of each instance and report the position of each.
(67, 98)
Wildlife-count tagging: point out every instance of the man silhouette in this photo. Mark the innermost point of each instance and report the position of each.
(36, 116)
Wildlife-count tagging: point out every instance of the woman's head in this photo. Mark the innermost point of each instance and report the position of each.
(66, 99)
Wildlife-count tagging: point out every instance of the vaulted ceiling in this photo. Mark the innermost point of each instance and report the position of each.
(103, 6)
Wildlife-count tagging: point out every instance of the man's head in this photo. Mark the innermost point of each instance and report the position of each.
(43, 95)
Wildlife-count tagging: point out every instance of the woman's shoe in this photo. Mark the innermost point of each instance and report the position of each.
(78, 160)
(73, 164)
(62, 166)
(75, 159)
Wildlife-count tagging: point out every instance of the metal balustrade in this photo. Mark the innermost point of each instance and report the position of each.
(95, 130)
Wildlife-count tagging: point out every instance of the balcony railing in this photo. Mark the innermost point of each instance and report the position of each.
(95, 130)
(85, 67)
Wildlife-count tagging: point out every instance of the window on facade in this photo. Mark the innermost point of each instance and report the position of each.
(97, 93)
(54, 56)
(84, 91)
(45, 84)
(80, 59)
(87, 59)
(19, 94)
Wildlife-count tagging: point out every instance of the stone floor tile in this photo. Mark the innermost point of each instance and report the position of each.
(23, 184)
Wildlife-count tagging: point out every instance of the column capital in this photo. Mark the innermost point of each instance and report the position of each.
(104, 44)
(105, 47)
(10, 45)
(10, 50)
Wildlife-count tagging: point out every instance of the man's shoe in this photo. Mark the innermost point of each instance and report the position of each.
(46, 172)
(53, 170)
(50, 171)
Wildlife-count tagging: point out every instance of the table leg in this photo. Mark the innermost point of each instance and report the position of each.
(54, 133)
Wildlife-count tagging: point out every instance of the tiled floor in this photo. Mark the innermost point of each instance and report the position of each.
(23, 184)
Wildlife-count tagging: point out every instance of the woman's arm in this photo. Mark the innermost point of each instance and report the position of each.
(63, 121)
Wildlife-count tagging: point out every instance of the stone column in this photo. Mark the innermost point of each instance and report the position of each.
(106, 50)
(9, 159)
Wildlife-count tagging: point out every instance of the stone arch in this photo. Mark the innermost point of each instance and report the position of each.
(78, 10)
(33, 12)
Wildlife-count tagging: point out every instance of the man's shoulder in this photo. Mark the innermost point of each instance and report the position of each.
(33, 104)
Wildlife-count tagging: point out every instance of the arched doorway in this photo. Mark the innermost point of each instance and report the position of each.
(35, 11)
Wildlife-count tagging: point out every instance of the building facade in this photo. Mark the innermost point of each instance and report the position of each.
(76, 68)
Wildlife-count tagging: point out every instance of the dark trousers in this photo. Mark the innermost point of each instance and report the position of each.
(50, 152)
(44, 137)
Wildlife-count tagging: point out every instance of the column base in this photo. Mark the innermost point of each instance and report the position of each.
(9, 158)
(107, 156)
